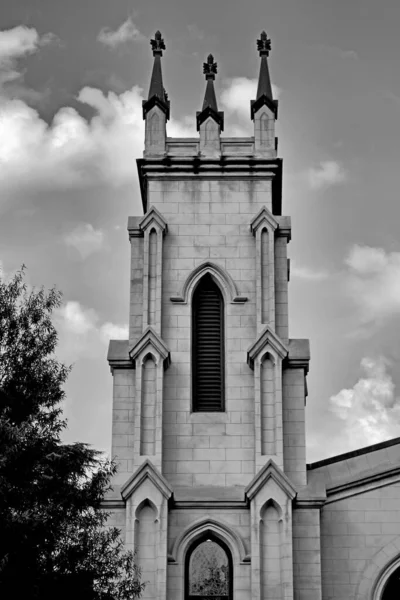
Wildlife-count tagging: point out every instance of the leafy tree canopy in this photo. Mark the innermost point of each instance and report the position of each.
(54, 542)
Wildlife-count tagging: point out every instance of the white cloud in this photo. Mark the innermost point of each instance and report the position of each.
(326, 174)
(85, 239)
(16, 44)
(81, 332)
(369, 410)
(70, 152)
(373, 281)
(126, 32)
(235, 99)
(308, 273)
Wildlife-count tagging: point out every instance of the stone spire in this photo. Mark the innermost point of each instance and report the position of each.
(264, 89)
(210, 107)
(157, 94)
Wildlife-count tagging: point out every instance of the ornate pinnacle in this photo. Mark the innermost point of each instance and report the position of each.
(264, 44)
(210, 67)
(157, 45)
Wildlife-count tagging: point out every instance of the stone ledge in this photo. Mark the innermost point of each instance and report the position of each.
(299, 354)
(118, 355)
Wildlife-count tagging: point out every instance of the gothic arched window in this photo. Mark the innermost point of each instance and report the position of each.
(208, 347)
(392, 587)
(208, 571)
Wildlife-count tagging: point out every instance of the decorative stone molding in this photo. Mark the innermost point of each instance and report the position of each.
(221, 276)
(267, 340)
(148, 488)
(271, 494)
(265, 358)
(150, 341)
(146, 471)
(153, 218)
(200, 527)
(263, 227)
(151, 357)
(270, 471)
(154, 227)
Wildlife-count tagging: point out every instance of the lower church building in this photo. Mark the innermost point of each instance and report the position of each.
(209, 392)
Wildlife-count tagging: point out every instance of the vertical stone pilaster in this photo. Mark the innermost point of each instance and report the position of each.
(210, 140)
(151, 356)
(282, 238)
(270, 495)
(267, 352)
(263, 228)
(307, 551)
(154, 228)
(264, 132)
(146, 494)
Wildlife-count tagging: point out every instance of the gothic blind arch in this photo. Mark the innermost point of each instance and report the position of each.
(208, 570)
(208, 347)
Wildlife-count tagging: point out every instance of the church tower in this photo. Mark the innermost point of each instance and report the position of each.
(210, 390)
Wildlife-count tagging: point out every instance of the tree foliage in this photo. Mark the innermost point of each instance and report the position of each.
(54, 541)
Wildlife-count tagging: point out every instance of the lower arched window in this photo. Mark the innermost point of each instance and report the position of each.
(391, 590)
(208, 570)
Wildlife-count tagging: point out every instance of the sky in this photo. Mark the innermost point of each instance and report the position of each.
(72, 79)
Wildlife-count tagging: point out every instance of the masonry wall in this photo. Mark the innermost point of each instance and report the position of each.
(209, 220)
(353, 531)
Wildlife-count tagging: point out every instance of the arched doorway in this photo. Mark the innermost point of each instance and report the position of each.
(208, 570)
(391, 591)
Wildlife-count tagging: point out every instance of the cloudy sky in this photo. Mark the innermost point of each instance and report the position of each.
(72, 79)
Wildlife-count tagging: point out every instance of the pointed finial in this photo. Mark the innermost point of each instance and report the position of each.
(264, 44)
(157, 45)
(210, 67)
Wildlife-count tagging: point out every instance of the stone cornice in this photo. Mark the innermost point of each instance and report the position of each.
(112, 504)
(226, 167)
(299, 354)
(118, 355)
(267, 338)
(134, 230)
(362, 485)
(284, 227)
(153, 340)
(151, 218)
(264, 216)
(146, 471)
(270, 471)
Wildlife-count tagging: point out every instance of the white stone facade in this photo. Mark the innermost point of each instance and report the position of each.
(330, 531)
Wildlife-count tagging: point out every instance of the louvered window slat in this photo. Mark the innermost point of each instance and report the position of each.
(208, 347)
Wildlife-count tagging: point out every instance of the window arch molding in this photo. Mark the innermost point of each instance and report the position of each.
(207, 526)
(384, 579)
(378, 570)
(221, 277)
(208, 536)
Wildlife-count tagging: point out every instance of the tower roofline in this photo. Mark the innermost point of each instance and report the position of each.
(187, 168)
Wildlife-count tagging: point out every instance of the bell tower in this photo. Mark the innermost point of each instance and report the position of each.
(209, 389)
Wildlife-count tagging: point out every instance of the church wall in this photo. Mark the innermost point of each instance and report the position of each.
(209, 220)
(294, 436)
(123, 424)
(354, 531)
(306, 554)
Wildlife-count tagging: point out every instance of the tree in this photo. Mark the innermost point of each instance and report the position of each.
(54, 541)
